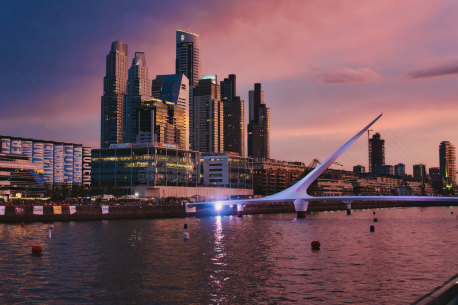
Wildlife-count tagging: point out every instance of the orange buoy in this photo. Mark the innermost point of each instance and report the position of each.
(316, 245)
(37, 250)
(22, 224)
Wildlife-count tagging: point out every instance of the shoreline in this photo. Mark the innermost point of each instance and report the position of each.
(96, 212)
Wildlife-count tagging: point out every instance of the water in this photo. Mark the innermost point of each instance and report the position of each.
(260, 259)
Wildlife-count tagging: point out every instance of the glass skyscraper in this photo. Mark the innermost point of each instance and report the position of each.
(187, 56)
(259, 125)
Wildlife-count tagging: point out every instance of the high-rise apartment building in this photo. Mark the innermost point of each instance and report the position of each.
(233, 109)
(419, 172)
(174, 88)
(400, 170)
(138, 90)
(187, 56)
(114, 91)
(259, 125)
(161, 123)
(447, 161)
(376, 152)
(208, 116)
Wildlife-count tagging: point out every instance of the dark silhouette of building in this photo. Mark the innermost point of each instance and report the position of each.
(233, 110)
(400, 170)
(419, 171)
(114, 91)
(187, 56)
(259, 125)
(376, 152)
(435, 174)
(138, 90)
(359, 169)
(447, 159)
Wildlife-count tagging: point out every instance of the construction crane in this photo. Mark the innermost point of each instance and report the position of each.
(316, 161)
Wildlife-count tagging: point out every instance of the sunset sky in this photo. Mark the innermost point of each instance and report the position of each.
(327, 67)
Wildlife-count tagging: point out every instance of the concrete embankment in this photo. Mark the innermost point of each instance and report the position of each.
(48, 213)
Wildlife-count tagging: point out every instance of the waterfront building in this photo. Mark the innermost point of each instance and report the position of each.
(271, 176)
(174, 88)
(233, 111)
(148, 171)
(208, 116)
(138, 90)
(187, 56)
(376, 152)
(447, 160)
(419, 172)
(359, 169)
(400, 170)
(20, 177)
(384, 169)
(259, 125)
(161, 123)
(227, 170)
(114, 91)
(61, 163)
(434, 174)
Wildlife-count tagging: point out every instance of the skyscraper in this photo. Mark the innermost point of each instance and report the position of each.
(400, 170)
(376, 152)
(138, 90)
(233, 109)
(208, 116)
(419, 171)
(259, 125)
(187, 56)
(114, 90)
(174, 88)
(447, 159)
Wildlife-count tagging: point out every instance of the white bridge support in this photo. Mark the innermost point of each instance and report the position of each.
(348, 204)
(239, 210)
(301, 206)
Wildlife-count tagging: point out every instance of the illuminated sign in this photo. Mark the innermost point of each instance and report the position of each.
(58, 163)
(37, 156)
(68, 163)
(16, 147)
(6, 148)
(77, 164)
(87, 167)
(48, 162)
(27, 148)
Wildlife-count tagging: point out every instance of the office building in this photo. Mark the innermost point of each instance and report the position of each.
(59, 162)
(138, 90)
(227, 170)
(419, 172)
(174, 88)
(400, 170)
(447, 160)
(233, 110)
(161, 123)
(208, 116)
(114, 91)
(376, 152)
(187, 56)
(385, 170)
(259, 125)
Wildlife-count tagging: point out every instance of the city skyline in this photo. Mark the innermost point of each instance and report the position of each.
(334, 64)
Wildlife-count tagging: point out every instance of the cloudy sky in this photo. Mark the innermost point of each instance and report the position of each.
(327, 67)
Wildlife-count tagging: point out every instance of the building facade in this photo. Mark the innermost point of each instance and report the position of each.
(447, 162)
(272, 176)
(187, 56)
(60, 163)
(208, 116)
(174, 88)
(227, 170)
(400, 170)
(376, 152)
(419, 172)
(114, 91)
(138, 90)
(259, 125)
(234, 117)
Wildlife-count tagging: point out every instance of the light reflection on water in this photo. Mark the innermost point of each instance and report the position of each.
(229, 260)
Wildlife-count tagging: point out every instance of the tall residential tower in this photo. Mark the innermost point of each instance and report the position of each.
(447, 161)
(259, 125)
(114, 90)
(376, 152)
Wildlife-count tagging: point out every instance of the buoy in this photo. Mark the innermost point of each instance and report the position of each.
(375, 219)
(315, 245)
(373, 212)
(372, 229)
(348, 212)
(22, 224)
(186, 235)
(198, 220)
(36, 251)
(51, 226)
(451, 212)
(185, 225)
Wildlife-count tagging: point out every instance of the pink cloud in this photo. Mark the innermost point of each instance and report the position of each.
(436, 68)
(347, 76)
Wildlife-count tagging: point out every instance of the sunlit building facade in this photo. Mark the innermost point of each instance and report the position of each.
(114, 91)
(447, 162)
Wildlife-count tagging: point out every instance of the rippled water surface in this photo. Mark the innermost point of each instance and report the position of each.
(261, 259)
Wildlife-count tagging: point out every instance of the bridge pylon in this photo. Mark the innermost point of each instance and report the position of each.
(301, 206)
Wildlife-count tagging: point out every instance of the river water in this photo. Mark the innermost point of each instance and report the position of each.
(257, 259)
